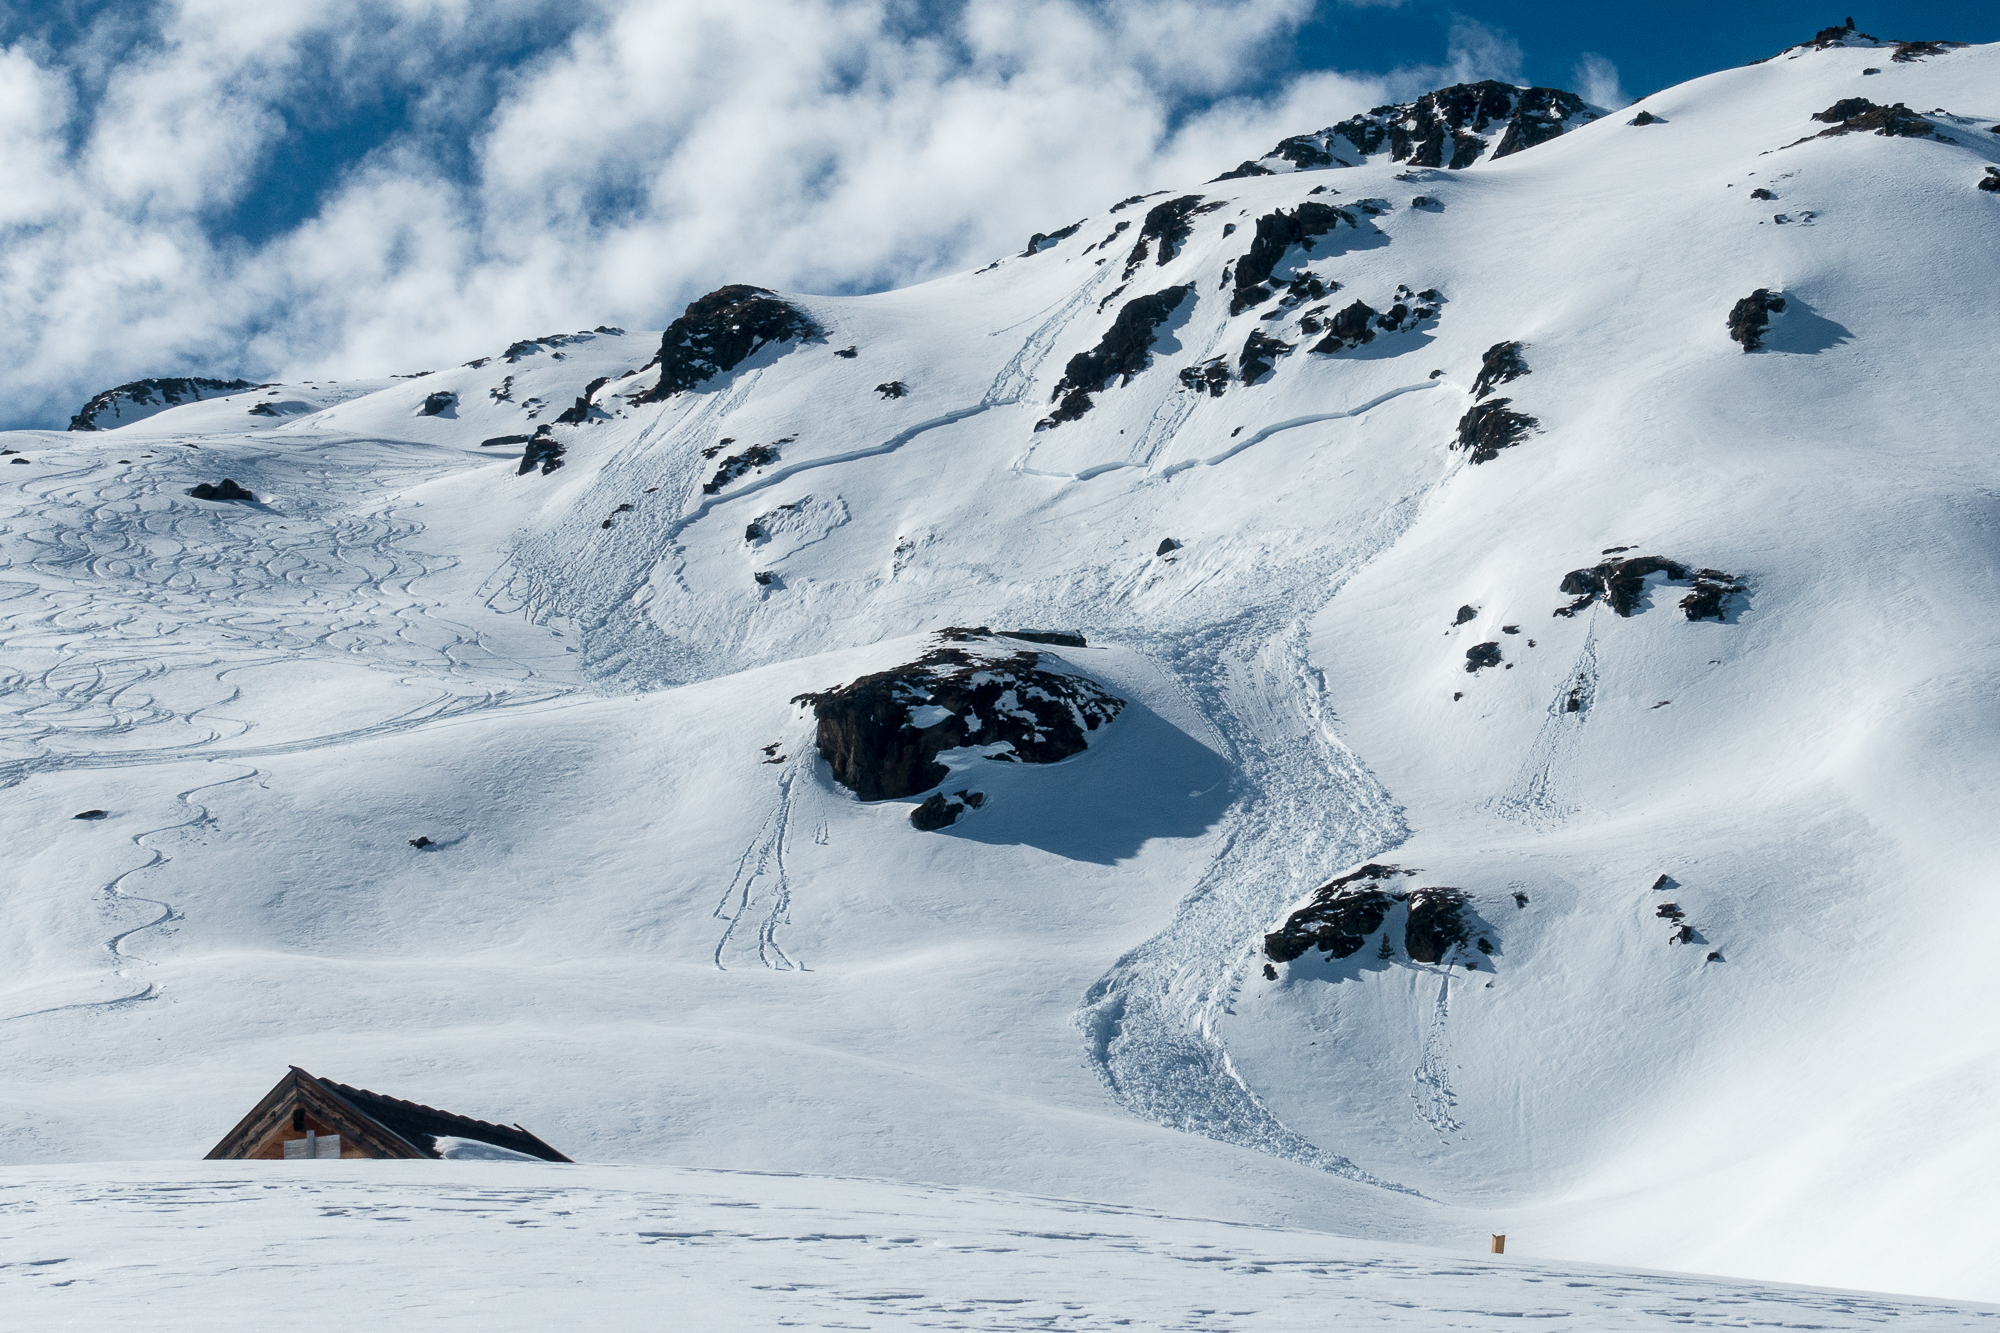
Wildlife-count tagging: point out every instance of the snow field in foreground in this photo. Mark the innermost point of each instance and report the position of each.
(498, 1246)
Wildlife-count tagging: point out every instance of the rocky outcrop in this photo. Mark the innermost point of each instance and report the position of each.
(1487, 428)
(1260, 356)
(1124, 351)
(1339, 917)
(142, 398)
(1451, 127)
(438, 404)
(225, 490)
(1858, 115)
(1502, 364)
(1437, 924)
(1277, 233)
(1482, 655)
(721, 330)
(1991, 180)
(892, 389)
(544, 451)
(1042, 240)
(940, 811)
(737, 465)
(881, 735)
(1210, 376)
(1541, 114)
(1622, 583)
(1906, 52)
(1750, 317)
(1341, 914)
(1350, 328)
(580, 411)
(1166, 226)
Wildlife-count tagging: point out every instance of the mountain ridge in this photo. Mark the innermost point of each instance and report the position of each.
(1358, 617)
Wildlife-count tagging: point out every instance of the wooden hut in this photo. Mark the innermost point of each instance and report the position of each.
(307, 1117)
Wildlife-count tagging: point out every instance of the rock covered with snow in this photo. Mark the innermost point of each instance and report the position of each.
(881, 735)
(144, 398)
(1450, 128)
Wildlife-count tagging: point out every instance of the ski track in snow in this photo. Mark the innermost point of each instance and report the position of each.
(1541, 795)
(763, 861)
(1433, 1094)
(135, 598)
(1151, 1022)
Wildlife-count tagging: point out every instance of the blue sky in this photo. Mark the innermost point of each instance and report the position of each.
(351, 187)
(1653, 45)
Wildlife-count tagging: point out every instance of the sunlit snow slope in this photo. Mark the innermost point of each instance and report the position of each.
(651, 926)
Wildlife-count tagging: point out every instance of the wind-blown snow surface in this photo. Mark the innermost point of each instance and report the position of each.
(648, 937)
(493, 1246)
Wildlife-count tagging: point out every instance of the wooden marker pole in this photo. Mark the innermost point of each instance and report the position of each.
(1500, 1244)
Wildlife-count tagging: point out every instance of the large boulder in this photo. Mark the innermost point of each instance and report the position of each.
(720, 331)
(882, 734)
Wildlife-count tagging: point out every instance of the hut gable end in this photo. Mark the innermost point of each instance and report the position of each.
(308, 1116)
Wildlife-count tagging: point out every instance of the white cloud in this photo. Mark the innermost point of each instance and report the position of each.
(651, 152)
(1597, 81)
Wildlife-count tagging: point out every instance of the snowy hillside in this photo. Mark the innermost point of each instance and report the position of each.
(1475, 668)
(483, 1246)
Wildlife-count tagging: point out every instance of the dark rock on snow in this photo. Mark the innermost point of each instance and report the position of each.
(1339, 917)
(1341, 914)
(736, 465)
(92, 814)
(1260, 355)
(1041, 241)
(1906, 52)
(1487, 428)
(1465, 613)
(1761, 193)
(848, 352)
(1350, 328)
(1501, 364)
(1168, 225)
(1167, 544)
(421, 842)
(1278, 232)
(544, 451)
(882, 733)
(892, 389)
(1437, 924)
(1858, 115)
(104, 412)
(504, 439)
(226, 490)
(941, 811)
(1751, 316)
(579, 412)
(438, 404)
(1482, 655)
(1211, 376)
(721, 330)
(1621, 583)
(1124, 351)
(1991, 180)
(1645, 118)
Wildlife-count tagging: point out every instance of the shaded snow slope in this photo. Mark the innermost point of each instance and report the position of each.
(652, 926)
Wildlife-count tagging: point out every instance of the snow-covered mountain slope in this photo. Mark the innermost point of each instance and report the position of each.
(1266, 446)
(510, 1246)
